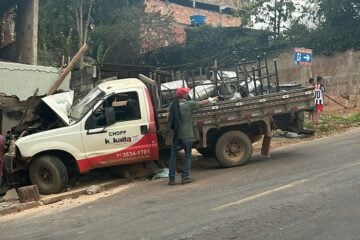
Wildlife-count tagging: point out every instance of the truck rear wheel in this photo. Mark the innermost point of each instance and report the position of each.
(49, 173)
(233, 149)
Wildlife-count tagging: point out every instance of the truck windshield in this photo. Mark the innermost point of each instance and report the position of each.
(81, 108)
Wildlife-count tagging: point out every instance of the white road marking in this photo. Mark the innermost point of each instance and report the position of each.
(259, 195)
(287, 186)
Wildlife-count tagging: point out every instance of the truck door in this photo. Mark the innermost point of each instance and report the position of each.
(120, 131)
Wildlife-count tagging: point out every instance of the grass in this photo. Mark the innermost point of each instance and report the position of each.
(330, 124)
(354, 118)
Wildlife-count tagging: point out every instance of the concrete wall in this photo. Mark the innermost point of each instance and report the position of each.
(22, 80)
(18, 84)
(341, 71)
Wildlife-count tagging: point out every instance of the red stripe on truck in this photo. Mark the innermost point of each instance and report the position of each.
(139, 152)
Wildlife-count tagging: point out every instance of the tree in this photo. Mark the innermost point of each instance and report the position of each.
(336, 28)
(204, 44)
(245, 9)
(272, 14)
(64, 25)
(82, 29)
(156, 31)
(120, 30)
(338, 13)
(132, 33)
(55, 33)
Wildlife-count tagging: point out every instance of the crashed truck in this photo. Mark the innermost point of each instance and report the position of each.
(124, 121)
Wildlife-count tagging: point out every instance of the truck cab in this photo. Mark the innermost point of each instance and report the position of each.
(112, 125)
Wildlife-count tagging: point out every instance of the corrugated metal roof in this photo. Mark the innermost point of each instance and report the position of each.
(22, 80)
(24, 67)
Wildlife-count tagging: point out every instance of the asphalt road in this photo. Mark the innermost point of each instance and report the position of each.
(304, 191)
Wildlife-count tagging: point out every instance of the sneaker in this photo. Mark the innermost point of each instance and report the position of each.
(172, 182)
(187, 180)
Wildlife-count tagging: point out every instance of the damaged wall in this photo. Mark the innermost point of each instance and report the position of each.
(18, 84)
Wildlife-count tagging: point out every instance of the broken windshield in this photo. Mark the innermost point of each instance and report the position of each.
(81, 108)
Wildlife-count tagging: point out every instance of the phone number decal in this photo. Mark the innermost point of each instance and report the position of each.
(135, 154)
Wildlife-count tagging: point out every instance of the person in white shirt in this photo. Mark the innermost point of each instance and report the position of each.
(319, 98)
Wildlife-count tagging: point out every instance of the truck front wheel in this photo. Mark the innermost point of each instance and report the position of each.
(49, 173)
(233, 149)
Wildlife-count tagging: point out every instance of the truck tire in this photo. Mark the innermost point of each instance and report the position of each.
(49, 173)
(233, 149)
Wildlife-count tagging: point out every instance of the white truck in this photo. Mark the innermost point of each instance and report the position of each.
(122, 122)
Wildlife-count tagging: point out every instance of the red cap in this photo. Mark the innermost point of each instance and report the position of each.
(181, 92)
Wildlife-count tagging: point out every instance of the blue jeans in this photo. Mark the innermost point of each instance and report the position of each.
(187, 144)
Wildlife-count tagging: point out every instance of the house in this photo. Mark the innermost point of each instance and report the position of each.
(211, 12)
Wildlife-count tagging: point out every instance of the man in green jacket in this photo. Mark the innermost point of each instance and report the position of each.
(183, 132)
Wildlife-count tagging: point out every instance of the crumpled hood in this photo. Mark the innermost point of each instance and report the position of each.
(60, 103)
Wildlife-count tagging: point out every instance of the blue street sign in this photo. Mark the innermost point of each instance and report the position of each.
(303, 56)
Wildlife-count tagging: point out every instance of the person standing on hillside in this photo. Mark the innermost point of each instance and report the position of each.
(180, 121)
(319, 98)
(312, 111)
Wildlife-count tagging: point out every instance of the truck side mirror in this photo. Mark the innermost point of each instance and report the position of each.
(110, 116)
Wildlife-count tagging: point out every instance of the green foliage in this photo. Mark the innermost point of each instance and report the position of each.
(117, 42)
(131, 32)
(106, 11)
(245, 9)
(338, 27)
(271, 13)
(59, 26)
(354, 118)
(173, 55)
(205, 41)
(333, 124)
(55, 26)
(122, 31)
(327, 26)
(204, 44)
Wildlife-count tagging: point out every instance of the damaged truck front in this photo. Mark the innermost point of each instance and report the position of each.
(104, 129)
(48, 116)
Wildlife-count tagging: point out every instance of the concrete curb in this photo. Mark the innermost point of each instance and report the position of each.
(45, 200)
(19, 207)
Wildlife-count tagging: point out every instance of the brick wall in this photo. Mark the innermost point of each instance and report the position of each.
(182, 15)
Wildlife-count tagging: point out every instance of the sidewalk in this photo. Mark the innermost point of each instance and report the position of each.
(9, 207)
(98, 180)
